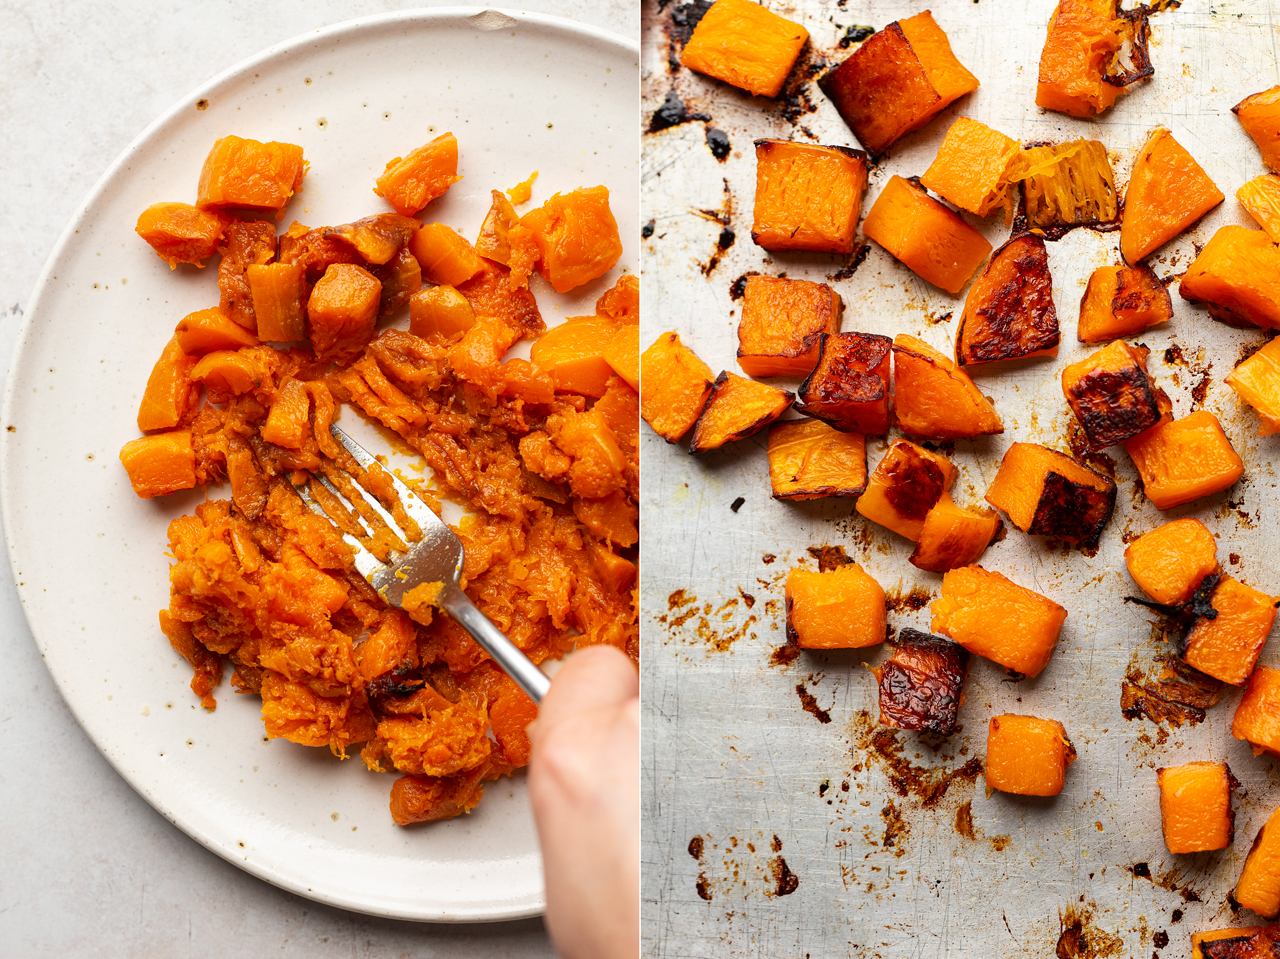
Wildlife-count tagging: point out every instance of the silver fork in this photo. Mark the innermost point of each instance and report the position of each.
(435, 558)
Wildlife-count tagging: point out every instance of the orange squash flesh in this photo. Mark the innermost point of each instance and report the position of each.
(440, 313)
(1168, 191)
(1047, 493)
(736, 408)
(1237, 275)
(952, 536)
(1257, 381)
(169, 393)
(925, 236)
(1122, 301)
(992, 616)
(411, 182)
(1195, 806)
(1183, 460)
(782, 325)
(1227, 646)
(1083, 40)
(159, 464)
(1065, 185)
(843, 608)
(808, 197)
(342, 312)
(1261, 197)
(675, 385)
(573, 239)
(905, 486)
(969, 169)
(1259, 114)
(744, 44)
(1238, 936)
(1171, 561)
(444, 256)
(251, 175)
(244, 245)
(921, 685)
(1259, 886)
(623, 354)
(207, 330)
(1257, 718)
(572, 354)
(288, 421)
(1009, 312)
(1111, 394)
(1027, 756)
(401, 277)
(227, 373)
(622, 300)
(935, 398)
(180, 232)
(276, 291)
(947, 75)
(849, 386)
(808, 459)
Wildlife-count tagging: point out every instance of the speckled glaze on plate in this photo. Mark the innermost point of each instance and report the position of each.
(521, 92)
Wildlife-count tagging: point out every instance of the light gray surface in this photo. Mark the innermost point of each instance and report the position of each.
(730, 756)
(90, 868)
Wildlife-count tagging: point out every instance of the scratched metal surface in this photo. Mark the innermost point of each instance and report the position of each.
(739, 778)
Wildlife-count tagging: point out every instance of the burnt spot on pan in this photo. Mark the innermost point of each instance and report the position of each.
(829, 557)
(810, 705)
(679, 28)
(718, 143)
(851, 264)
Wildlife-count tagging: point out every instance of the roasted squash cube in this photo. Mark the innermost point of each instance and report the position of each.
(343, 311)
(935, 398)
(401, 277)
(377, 238)
(675, 386)
(1260, 116)
(572, 354)
(970, 168)
(573, 238)
(1111, 394)
(906, 484)
(849, 386)
(925, 236)
(1168, 191)
(1226, 647)
(1259, 885)
(1009, 312)
(440, 313)
(493, 242)
(1195, 806)
(623, 353)
(444, 256)
(169, 393)
(1047, 493)
(953, 536)
(1257, 718)
(808, 459)
(409, 183)
(922, 683)
(622, 300)
(1171, 561)
(842, 608)
(1065, 185)
(808, 197)
(1182, 460)
(243, 245)
(1078, 72)
(1223, 943)
(736, 408)
(180, 232)
(227, 373)
(161, 463)
(782, 325)
(897, 81)
(992, 616)
(1257, 381)
(746, 45)
(248, 174)
(207, 330)
(1261, 197)
(1027, 756)
(1237, 275)
(277, 290)
(1122, 301)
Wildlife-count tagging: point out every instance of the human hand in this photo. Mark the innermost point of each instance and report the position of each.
(584, 785)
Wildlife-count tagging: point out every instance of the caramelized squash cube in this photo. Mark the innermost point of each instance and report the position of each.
(227, 373)
(1226, 647)
(343, 311)
(1257, 381)
(1111, 394)
(574, 239)
(843, 608)
(808, 459)
(897, 81)
(736, 408)
(1259, 114)
(160, 464)
(244, 245)
(169, 393)
(849, 386)
(992, 616)
(808, 197)
(675, 386)
(953, 536)
(440, 313)
(1171, 561)
(493, 242)
(925, 236)
(572, 354)
(905, 486)
(1183, 460)
(409, 183)
(782, 325)
(1122, 301)
(1225, 943)
(248, 174)
(1082, 45)
(377, 238)
(1195, 806)
(622, 300)
(744, 44)
(180, 232)
(444, 257)
(969, 169)
(401, 277)
(1257, 718)
(933, 397)
(1066, 185)
(921, 684)
(1168, 191)
(207, 330)
(1237, 275)
(1047, 493)
(1259, 886)
(1261, 197)
(623, 353)
(1009, 312)
(1027, 756)
(277, 290)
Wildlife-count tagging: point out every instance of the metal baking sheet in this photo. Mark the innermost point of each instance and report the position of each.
(777, 820)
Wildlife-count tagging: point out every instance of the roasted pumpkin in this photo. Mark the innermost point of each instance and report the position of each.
(1080, 69)
(180, 232)
(411, 182)
(905, 486)
(1261, 197)
(622, 353)
(843, 608)
(1183, 460)
(1047, 493)
(808, 197)
(1171, 561)
(444, 256)
(572, 354)
(921, 685)
(1257, 718)
(808, 459)
(1259, 114)
(934, 398)
(1168, 191)
(1195, 806)
(782, 325)
(243, 245)
(736, 408)
(170, 393)
(1065, 185)
(1111, 394)
(675, 386)
(250, 175)
(207, 330)
(1122, 301)
(342, 312)
(1027, 756)
(1237, 275)
(970, 168)
(278, 308)
(744, 44)
(1009, 312)
(849, 386)
(1227, 645)
(440, 314)
(1256, 380)
(572, 239)
(1259, 886)
(161, 463)
(1224, 943)
(953, 536)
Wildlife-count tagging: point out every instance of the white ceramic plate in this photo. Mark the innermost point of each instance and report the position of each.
(521, 92)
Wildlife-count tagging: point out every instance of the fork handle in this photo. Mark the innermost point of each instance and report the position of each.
(505, 653)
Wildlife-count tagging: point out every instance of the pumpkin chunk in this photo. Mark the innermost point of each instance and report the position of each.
(1111, 394)
(1238, 275)
(161, 463)
(622, 300)
(1227, 646)
(207, 330)
(444, 256)
(180, 232)
(409, 183)
(905, 486)
(953, 536)
(970, 168)
(343, 311)
(1260, 116)
(992, 616)
(1171, 561)
(1080, 73)
(377, 238)
(244, 245)
(276, 291)
(925, 236)
(1009, 312)
(572, 238)
(808, 197)
(745, 45)
(897, 81)
(849, 386)
(623, 354)
(676, 385)
(1027, 756)
(572, 354)
(250, 175)
(808, 459)
(1195, 806)
(934, 397)
(1066, 185)
(1047, 493)
(921, 685)
(401, 277)
(1257, 382)
(1259, 885)
(1261, 197)
(782, 325)
(1257, 718)
(1222, 943)
(842, 608)
(1168, 191)
(1122, 301)
(1182, 460)
(736, 408)
(440, 313)
(169, 393)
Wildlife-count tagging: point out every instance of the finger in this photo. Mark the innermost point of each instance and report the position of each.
(590, 679)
